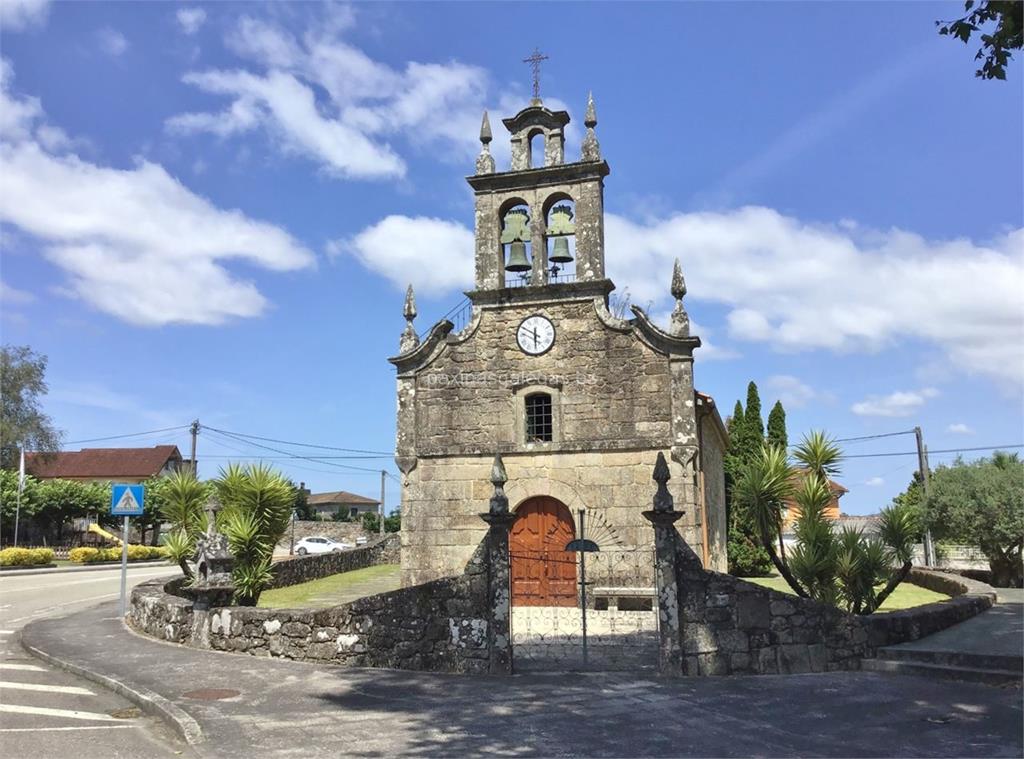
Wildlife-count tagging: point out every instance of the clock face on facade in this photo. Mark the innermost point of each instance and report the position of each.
(535, 335)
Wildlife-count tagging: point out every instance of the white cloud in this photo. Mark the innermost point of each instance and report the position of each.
(434, 255)
(111, 41)
(874, 482)
(897, 404)
(960, 429)
(135, 243)
(12, 296)
(800, 286)
(322, 98)
(191, 19)
(790, 390)
(17, 15)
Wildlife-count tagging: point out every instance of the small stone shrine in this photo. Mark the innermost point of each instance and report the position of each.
(213, 585)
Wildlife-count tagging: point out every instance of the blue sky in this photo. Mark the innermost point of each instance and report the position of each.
(211, 210)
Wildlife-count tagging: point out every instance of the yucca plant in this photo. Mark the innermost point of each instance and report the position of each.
(820, 454)
(898, 531)
(761, 489)
(257, 502)
(181, 498)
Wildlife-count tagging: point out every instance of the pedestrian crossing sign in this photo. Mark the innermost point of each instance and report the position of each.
(126, 500)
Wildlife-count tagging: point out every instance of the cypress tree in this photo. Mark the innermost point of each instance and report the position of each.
(752, 420)
(777, 426)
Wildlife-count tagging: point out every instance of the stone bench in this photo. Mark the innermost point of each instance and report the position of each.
(623, 598)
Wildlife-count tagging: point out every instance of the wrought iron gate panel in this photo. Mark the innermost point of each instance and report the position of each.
(613, 625)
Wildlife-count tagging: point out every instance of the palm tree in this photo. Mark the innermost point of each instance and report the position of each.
(819, 454)
(761, 488)
(898, 530)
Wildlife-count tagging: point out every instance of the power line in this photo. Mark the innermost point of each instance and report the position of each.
(947, 450)
(372, 454)
(873, 437)
(130, 434)
(231, 436)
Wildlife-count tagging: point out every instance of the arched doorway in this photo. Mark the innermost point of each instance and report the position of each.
(543, 573)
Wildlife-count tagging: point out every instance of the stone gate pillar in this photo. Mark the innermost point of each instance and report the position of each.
(499, 599)
(663, 516)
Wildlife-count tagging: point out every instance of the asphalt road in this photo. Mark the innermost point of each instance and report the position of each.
(47, 712)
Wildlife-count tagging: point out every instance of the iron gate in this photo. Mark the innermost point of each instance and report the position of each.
(613, 624)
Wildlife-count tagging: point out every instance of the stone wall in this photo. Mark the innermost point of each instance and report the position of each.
(305, 568)
(729, 626)
(454, 624)
(346, 532)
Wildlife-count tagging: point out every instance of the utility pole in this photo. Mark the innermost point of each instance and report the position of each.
(922, 467)
(383, 474)
(195, 433)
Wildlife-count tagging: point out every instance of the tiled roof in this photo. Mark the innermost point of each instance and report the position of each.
(101, 463)
(339, 497)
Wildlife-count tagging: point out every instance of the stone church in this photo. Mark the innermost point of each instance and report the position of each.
(578, 400)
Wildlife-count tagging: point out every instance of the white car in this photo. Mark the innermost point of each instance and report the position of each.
(320, 545)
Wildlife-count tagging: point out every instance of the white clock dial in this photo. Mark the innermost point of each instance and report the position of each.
(535, 335)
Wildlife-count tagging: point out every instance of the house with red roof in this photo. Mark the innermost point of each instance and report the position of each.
(123, 465)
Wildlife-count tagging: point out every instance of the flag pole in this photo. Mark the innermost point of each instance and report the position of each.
(21, 486)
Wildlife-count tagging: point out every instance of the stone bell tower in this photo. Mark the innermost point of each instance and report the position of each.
(579, 401)
(539, 183)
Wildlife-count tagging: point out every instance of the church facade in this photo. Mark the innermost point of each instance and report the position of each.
(578, 400)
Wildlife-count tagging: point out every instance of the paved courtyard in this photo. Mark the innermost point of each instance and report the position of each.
(295, 709)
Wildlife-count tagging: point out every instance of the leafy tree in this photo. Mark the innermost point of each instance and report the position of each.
(341, 515)
(1008, 34)
(257, 505)
(777, 427)
(60, 501)
(752, 422)
(9, 501)
(982, 503)
(22, 422)
(393, 522)
(371, 522)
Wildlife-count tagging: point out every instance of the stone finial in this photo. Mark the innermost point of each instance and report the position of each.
(662, 499)
(485, 161)
(680, 319)
(409, 339)
(590, 119)
(499, 501)
(591, 147)
(211, 509)
(485, 130)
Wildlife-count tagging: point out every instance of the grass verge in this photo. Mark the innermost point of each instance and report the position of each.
(335, 589)
(904, 597)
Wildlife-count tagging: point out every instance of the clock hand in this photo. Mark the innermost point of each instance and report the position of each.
(534, 337)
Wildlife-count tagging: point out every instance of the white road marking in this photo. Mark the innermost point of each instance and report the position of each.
(7, 632)
(70, 689)
(23, 667)
(61, 729)
(153, 571)
(47, 712)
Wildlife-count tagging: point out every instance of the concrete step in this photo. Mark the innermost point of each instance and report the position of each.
(943, 671)
(968, 659)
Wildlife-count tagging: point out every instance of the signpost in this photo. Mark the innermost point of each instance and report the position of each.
(126, 501)
(583, 546)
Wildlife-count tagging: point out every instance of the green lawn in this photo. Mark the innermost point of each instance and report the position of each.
(905, 595)
(334, 590)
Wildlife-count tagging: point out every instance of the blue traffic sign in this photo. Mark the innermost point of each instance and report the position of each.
(126, 500)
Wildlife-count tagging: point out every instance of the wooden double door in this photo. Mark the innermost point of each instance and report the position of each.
(543, 572)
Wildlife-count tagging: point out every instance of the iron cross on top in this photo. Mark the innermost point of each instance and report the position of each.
(534, 61)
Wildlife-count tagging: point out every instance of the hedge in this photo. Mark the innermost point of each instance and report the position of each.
(25, 557)
(135, 553)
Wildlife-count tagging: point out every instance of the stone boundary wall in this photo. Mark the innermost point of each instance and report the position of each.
(341, 531)
(730, 626)
(454, 624)
(301, 569)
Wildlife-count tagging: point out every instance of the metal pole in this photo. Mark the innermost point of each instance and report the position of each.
(583, 590)
(17, 516)
(195, 433)
(380, 529)
(124, 565)
(291, 547)
(922, 467)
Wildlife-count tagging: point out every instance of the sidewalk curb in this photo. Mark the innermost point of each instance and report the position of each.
(151, 703)
(86, 568)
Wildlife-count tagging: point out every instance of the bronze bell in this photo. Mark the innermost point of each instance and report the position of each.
(561, 254)
(517, 260)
